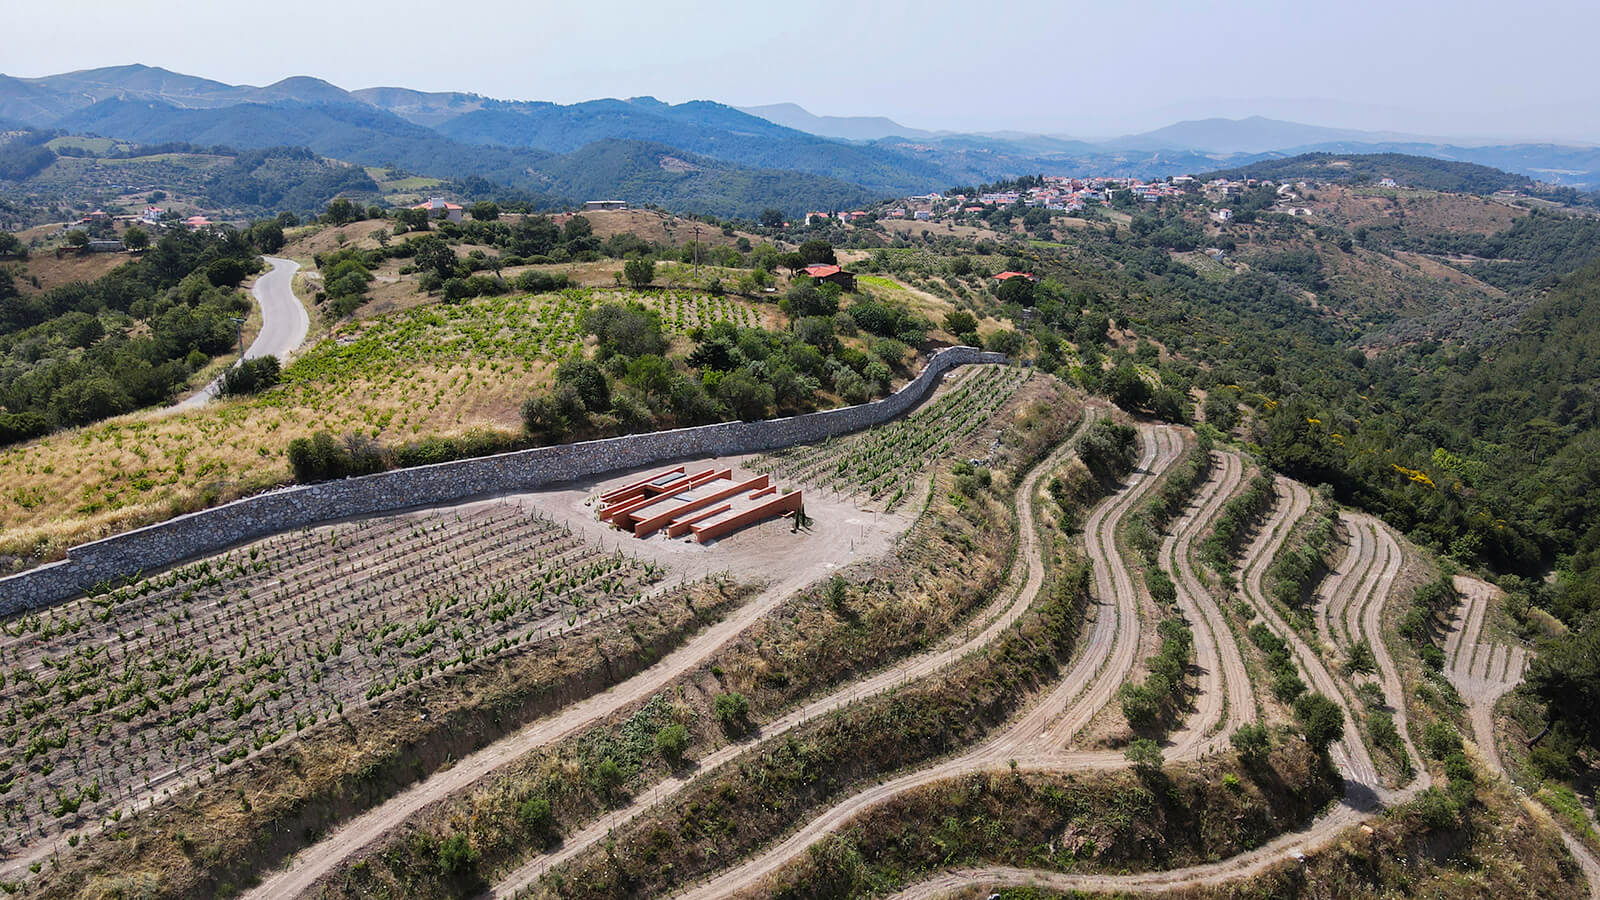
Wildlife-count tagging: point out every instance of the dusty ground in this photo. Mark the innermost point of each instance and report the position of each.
(840, 532)
(51, 272)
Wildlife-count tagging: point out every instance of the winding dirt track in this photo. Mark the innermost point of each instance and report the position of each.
(1363, 790)
(313, 863)
(1355, 602)
(1023, 581)
(1224, 681)
(1483, 673)
(1216, 655)
(1370, 609)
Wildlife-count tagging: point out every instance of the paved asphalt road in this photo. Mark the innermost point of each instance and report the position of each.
(283, 323)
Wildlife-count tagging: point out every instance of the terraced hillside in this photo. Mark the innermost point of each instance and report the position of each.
(811, 735)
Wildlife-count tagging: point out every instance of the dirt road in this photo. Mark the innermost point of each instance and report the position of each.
(1482, 673)
(1362, 787)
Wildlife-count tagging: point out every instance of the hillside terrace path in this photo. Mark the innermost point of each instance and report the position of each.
(1363, 793)
(1482, 673)
(1033, 740)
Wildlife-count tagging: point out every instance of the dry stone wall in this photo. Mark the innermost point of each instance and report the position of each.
(213, 530)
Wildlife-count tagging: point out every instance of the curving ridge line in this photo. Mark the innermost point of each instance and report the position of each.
(1223, 482)
(1350, 607)
(1216, 655)
(1340, 586)
(1234, 867)
(1220, 710)
(1161, 448)
(1023, 581)
(1350, 752)
(311, 864)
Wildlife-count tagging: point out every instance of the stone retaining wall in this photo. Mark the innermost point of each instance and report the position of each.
(213, 530)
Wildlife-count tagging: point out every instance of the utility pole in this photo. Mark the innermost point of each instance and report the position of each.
(697, 251)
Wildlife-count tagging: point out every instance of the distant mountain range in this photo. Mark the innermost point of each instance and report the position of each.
(1253, 134)
(850, 128)
(697, 156)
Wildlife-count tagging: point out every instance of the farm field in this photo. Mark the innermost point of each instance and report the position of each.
(779, 650)
(115, 699)
(427, 371)
(883, 464)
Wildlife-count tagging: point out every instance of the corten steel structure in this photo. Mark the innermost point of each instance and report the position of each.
(706, 504)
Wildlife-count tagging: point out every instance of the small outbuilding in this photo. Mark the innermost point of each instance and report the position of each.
(832, 274)
(702, 505)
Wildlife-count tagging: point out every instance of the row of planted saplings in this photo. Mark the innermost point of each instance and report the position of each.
(264, 733)
(877, 463)
(879, 458)
(284, 698)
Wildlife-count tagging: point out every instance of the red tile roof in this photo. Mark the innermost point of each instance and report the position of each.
(821, 270)
(1004, 275)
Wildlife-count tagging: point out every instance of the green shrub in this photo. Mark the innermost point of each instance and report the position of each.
(535, 814)
(251, 376)
(606, 776)
(1439, 740)
(1108, 448)
(1252, 741)
(733, 712)
(1145, 754)
(1321, 720)
(321, 457)
(457, 856)
(672, 741)
(1360, 660)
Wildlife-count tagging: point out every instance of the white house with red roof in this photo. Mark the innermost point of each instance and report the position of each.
(439, 208)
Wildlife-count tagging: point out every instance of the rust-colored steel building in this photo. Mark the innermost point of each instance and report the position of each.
(706, 504)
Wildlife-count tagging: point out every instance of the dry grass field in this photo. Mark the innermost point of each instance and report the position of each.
(1352, 207)
(43, 271)
(427, 371)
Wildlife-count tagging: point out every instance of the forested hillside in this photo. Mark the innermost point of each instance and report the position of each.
(1370, 168)
(285, 178)
(88, 350)
(658, 174)
(1539, 247)
(642, 172)
(352, 132)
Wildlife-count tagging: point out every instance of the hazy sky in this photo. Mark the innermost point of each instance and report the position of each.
(1462, 67)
